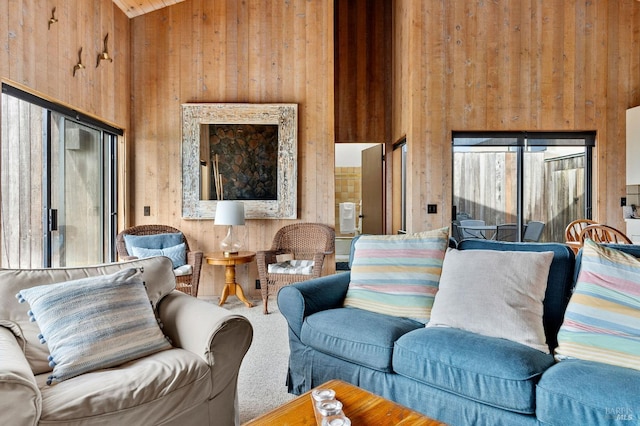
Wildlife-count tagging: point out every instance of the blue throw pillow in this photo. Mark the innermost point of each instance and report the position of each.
(177, 253)
(156, 241)
(95, 322)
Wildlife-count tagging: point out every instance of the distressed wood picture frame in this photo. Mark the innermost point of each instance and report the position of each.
(196, 118)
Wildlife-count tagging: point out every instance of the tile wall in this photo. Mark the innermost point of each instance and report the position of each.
(348, 189)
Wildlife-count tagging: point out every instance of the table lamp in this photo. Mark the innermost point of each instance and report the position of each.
(230, 213)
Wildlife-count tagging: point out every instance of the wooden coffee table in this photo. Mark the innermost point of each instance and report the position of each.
(362, 408)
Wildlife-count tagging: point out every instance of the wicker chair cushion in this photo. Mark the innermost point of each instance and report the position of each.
(183, 270)
(177, 253)
(291, 267)
(156, 241)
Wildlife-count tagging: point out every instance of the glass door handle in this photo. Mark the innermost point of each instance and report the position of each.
(53, 220)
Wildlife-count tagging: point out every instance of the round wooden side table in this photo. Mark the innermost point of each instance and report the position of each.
(231, 287)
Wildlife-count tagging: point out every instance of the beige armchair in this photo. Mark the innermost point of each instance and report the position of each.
(297, 254)
(192, 383)
(186, 281)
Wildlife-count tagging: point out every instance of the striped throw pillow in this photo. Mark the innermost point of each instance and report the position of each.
(95, 322)
(397, 274)
(602, 320)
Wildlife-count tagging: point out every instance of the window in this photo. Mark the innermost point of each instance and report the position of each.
(509, 180)
(58, 176)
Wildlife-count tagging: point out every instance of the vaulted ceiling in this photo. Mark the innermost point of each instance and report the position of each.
(133, 8)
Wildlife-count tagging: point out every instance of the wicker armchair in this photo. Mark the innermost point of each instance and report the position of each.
(305, 241)
(185, 283)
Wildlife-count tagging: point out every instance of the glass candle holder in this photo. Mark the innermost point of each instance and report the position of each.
(322, 394)
(329, 407)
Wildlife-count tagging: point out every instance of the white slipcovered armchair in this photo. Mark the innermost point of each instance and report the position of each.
(193, 382)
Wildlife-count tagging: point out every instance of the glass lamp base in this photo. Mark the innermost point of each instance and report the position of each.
(229, 245)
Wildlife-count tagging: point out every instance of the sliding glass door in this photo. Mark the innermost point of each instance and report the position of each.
(520, 185)
(59, 185)
(76, 202)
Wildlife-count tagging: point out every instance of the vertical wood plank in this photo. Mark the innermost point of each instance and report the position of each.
(553, 65)
(10, 186)
(524, 58)
(40, 60)
(579, 65)
(456, 40)
(569, 64)
(556, 65)
(230, 52)
(16, 41)
(34, 189)
(361, 72)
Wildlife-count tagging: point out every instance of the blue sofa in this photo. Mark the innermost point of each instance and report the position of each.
(455, 376)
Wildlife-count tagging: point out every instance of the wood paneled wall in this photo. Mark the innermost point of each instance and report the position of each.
(363, 70)
(507, 65)
(231, 51)
(42, 58)
(21, 184)
(512, 65)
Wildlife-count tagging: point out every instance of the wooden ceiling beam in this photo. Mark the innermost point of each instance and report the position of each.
(133, 8)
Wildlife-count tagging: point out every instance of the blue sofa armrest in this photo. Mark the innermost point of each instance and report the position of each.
(300, 300)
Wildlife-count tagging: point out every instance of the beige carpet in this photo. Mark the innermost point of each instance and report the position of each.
(262, 380)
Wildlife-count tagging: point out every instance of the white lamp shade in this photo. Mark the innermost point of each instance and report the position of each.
(229, 213)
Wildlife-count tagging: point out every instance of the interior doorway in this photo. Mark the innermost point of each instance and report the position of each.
(350, 178)
(372, 204)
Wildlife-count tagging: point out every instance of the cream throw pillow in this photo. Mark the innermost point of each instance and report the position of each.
(494, 293)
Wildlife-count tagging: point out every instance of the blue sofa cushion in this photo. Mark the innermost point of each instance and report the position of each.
(490, 370)
(581, 392)
(355, 335)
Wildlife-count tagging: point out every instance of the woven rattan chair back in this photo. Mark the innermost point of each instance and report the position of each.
(305, 241)
(185, 283)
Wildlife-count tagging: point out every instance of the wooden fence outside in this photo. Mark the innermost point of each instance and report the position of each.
(485, 187)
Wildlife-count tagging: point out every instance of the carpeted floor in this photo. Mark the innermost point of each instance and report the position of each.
(262, 380)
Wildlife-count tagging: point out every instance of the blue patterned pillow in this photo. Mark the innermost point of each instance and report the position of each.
(177, 253)
(155, 241)
(94, 323)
